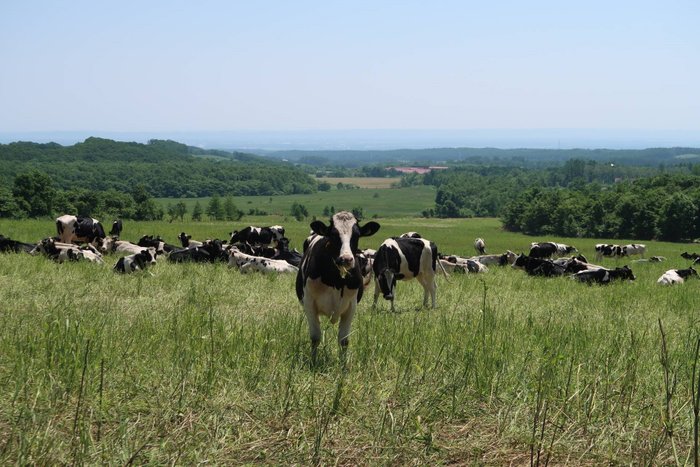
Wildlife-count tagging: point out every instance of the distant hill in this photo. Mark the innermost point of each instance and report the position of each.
(167, 168)
(520, 157)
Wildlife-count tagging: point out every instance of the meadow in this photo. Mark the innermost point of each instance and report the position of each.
(198, 363)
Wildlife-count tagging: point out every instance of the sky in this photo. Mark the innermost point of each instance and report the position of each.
(216, 66)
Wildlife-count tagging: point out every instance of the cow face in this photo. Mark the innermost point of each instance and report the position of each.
(387, 283)
(277, 232)
(344, 234)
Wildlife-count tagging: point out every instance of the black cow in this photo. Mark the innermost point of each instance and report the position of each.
(405, 259)
(210, 251)
(604, 276)
(258, 235)
(283, 252)
(7, 245)
(186, 240)
(157, 243)
(329, 281)
(538, 266)
(690, 256)
(117, 228)
(81, 229)
(136, 262)
(550, 249)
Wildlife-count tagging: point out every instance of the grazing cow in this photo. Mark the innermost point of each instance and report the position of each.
(410, 235)
(186, 240)
(538, 266)
(690, 256)
(676, 276)
(607, 250)
(79, 229)
(8, 245)
(634, 249)
(329, 281)
(61, 252)
(116, 228)
(603, 275)
(136, 262)
(247, 263)
(258, 235)
(480, 246)
(550, 249)
(405, 259)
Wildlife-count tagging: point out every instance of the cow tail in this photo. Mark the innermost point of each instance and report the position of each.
(59, 228)
(436, 259)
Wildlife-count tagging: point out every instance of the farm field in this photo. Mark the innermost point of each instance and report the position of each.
(362, 182)
(395, 202)
(199, 363)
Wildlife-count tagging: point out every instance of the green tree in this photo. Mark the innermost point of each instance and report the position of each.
(231, 211)
(677, 218)
(324, 186)
(215, 210)
(34, 193)
(8, 204)
(197, 212)
(299, 211)
(146, 207)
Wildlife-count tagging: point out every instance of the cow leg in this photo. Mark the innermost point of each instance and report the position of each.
(376, 292)
(344, 326)
(314, 331)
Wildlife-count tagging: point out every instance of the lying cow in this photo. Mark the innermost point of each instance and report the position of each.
(538, 266)
(410, 235)
(186, 240)
(676, 276)
(61, 252)
(162, 248)
(500, 260)
(607, 250)
(633, 249)
(136, 262)
(329, 281)
(480, 246)
(247, 263)
(405, 259)
(112, 245)
(7, 245)
(464, 265)
(79, 229)
(258, 235)
(550, 250)
(690, 256)
(604, 276)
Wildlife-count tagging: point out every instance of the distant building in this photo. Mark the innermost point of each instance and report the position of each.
(417, 170)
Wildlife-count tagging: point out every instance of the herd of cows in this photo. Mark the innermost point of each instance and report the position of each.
(332, 272)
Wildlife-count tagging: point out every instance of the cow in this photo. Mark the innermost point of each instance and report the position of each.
(480, 246)
(603, 275)
(464, 265)
(186, 240)
(633, 249)
(538, 266)
(282, 252)
(61, 252)
(329, 281)
(136, 262)
(607, 250)
(162, 248)
(410, 235)
(117, 227)
(550, 249)
(247, 263)
(501, 260)
(112, 245)
(676, 276)
(405, 259)
(79, 229)
(258, 235)
(7, 245)
(690, 256)
(194, 254)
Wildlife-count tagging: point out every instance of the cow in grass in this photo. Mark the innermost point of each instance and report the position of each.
(550, 250)
(405, 259)
(676, 276)
(258, 235)
(329, 281)
(79, 229)
(136, 262)
(604, 276)
(7, 245)
(480, 246)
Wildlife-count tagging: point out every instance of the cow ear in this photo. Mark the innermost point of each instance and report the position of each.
(369, 229)
(319, 228)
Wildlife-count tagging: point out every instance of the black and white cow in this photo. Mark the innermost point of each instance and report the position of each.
(156, 242)
(405, 259)
(79, 229)
(550, 249)
(453, 263)
(117, 228)
(258, 235)
(500, 260)
(61, 252)
(410, 235)
(676, 276)
(248, 263)
(329, 281)
(633, 249)
(690, 256)
(7, 245)
(283, 252)
(603, 275)
(538, 266)
(480, 246)
(136, 262)
(607, 250)
(186, 240)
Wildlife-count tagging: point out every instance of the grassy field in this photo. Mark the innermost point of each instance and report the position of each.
(198, 363)
(397, 202)
(362, 182)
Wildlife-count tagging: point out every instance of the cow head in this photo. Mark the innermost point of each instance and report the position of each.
(344, 234)
(277, 232)
(184, 239)
(624, 273)
(108, 244)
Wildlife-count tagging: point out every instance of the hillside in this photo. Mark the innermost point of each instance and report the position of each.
(166, 168)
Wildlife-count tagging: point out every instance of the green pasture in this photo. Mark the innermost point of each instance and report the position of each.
(190, 364)
(382, 202)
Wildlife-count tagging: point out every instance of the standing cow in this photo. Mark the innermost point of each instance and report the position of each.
(79, 229)
(480, 246)
(329, 281)
(405, 259)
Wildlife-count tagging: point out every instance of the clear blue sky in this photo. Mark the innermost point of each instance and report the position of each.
(289, 65)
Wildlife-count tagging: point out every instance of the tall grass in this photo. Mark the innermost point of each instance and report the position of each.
(198, 363)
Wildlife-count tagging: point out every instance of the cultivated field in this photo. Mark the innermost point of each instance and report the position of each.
(198, 363)
(362, 182)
